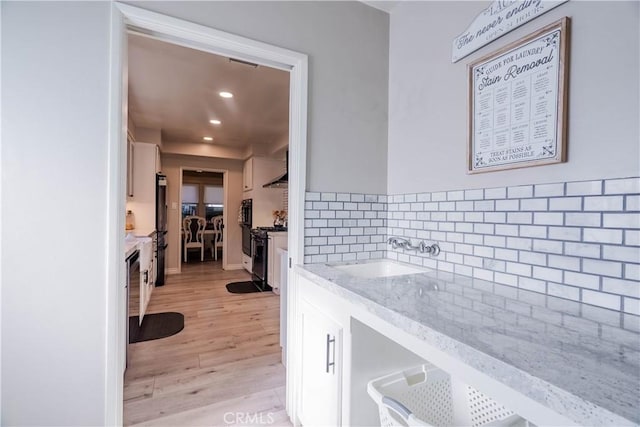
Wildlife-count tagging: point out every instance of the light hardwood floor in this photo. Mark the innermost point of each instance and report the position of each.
(223, 368)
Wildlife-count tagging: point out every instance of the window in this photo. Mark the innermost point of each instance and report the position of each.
(213, 201)
(203, 200)
(189, 199)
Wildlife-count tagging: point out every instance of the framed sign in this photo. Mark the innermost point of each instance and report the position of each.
(517, 102)
(497, 20)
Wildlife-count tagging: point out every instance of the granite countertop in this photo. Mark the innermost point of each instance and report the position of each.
(579, 360)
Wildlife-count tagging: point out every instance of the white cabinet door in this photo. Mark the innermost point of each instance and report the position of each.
(321, 344)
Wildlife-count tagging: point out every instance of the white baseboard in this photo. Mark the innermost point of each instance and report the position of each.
(172, 271)
(234, 267)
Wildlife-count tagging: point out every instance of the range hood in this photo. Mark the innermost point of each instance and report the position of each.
(281, 181)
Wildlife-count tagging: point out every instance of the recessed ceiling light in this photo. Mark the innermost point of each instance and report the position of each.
(215, 122)
(226, 94)
(208, 138)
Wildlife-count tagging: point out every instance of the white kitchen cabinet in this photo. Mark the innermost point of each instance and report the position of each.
(146, 163)
(257, 172)
(321, 368)
(247, 175)
(277, 240)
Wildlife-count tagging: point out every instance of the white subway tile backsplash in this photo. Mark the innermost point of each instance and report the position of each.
(621, 253)
(603, 268)
(548, 218)
(507, 230)
(583, 219)
(520, 192)
(602, 235)
(474, 194)
(586, 250)
(548, 246)
(565, 233)
(582, 280)
(506, 279)
(622, 186)
(576, 240)
(632, 203)
(564, 262)
(565, 204)
(545, 190)
(535, 258)
(632, 306)
(455, 195)
(534, 204)
(584, 188)
(439, 196)
(601, 299)
(534, 285)
(495, 193)
(519, 243)
(507, 205)
(533, 231)
(631, 238)
(621, 287)
(630, 220)
(548, 274)
(603, 203)
(562, 291)
(519, 218)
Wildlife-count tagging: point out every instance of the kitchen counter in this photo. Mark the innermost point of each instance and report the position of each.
(581, 361)
(130, 246)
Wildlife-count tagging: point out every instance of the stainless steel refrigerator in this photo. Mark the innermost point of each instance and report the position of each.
(161, 227)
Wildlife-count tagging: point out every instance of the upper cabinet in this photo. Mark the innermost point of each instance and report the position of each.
(146, 163)
(247, 175)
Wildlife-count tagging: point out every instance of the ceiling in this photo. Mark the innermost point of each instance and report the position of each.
(175, 89)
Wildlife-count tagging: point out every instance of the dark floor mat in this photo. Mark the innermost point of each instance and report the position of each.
(243, 287)
(155, 326)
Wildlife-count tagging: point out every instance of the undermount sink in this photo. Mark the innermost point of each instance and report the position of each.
(381, 268)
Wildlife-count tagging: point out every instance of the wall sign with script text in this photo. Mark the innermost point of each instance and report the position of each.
(517, 102)
(497, 20)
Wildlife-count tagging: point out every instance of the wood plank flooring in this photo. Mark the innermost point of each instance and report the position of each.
(223, 369)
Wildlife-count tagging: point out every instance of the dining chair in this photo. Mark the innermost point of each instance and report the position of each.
(216, 243)
(193, 234)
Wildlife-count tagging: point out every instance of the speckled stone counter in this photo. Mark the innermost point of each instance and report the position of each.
(581, 361)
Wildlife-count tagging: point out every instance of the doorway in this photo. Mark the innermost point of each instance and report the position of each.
(129, 18)
(203, 196)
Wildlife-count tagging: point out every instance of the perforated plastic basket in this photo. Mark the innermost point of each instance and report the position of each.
(427, 396)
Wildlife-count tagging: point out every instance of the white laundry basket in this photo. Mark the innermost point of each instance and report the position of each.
(427, 396)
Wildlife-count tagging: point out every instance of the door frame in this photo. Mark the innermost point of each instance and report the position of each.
(225, 213)
(126, 18)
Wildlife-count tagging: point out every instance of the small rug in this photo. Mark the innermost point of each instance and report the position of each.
(243, 287)
(155, 326)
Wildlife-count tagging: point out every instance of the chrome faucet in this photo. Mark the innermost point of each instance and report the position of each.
(400, 242)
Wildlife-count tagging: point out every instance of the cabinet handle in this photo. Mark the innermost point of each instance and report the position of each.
(332, 364)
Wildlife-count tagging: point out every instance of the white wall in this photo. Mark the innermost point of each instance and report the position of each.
(428, 96)
(347, 44)
(54, 242)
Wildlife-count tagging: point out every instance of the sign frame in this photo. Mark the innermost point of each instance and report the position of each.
(555, 152)
(499, 18)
